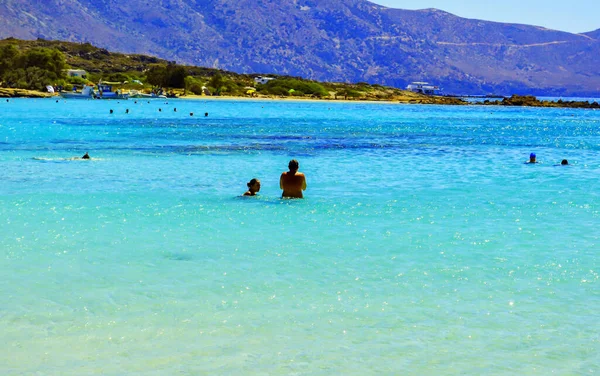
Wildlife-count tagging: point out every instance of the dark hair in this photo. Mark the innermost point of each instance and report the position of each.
(252, 182)
(564, 162)
(293, 165)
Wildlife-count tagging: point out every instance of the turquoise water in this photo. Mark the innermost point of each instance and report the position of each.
(424, 244)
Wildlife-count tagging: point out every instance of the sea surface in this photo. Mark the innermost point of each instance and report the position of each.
(424, 244)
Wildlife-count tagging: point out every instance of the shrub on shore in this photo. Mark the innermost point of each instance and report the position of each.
(292, 86)
(31, 69)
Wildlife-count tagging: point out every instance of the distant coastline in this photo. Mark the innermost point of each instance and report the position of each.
(532, 101)
(408, 98)
(70, 67)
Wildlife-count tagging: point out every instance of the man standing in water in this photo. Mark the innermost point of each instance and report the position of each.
(292, 182)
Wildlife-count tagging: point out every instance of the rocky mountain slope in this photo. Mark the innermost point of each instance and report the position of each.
(333, 40)
(594, 34)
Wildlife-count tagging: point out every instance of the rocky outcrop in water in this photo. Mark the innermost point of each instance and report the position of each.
(531, 101)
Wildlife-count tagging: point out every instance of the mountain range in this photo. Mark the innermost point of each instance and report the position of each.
(327, 40)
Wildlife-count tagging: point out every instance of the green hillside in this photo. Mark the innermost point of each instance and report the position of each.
(32, 65)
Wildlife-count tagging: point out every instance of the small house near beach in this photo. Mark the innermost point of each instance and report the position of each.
(77, 73)
(262, 79)
(424, 88)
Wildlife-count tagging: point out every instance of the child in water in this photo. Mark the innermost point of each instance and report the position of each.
(253, 187)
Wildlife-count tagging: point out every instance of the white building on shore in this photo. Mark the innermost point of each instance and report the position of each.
(77, 73)
(262, 79)
(424, 88)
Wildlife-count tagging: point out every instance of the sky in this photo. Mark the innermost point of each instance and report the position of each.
(576, 17)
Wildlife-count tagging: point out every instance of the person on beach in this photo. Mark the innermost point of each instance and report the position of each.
(292, 182)
(532, 159)
(253, 187)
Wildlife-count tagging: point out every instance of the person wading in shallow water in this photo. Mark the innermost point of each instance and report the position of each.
(292, 182)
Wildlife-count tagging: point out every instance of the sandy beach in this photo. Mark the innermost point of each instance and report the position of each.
(406, 97)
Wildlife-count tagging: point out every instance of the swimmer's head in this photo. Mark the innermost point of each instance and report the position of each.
(293, 165)
(254, 185)
(564, 162)
(532, 157)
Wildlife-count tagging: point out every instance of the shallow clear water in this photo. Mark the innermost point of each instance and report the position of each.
(424, 244)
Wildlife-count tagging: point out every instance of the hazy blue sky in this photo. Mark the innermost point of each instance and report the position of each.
(577, 16)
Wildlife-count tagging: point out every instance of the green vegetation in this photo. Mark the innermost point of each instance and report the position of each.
(171, 75)
(31, 65)
(293, 87)
(193, 85)
(30, 69)
(35, 64)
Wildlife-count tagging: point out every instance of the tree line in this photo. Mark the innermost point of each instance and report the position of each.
(37, 67)
(32, 69)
